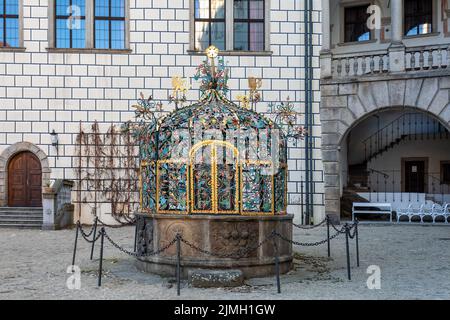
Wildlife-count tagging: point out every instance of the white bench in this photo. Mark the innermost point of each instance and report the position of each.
(377, 208)
(425, 210)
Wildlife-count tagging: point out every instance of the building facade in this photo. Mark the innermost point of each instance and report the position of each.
(385, 102)
(73, 62)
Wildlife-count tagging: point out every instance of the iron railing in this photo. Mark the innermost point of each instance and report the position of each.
(391, 186)
(407, 126)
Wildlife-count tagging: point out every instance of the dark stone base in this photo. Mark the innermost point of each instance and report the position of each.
(202, 278)
(218, 234)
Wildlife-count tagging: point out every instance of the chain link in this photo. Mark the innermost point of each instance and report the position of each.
(83, 232)
(308, 227)
(238, 254)
(342, 230)
(352, 235)
(86, 236)
(137, 255)
(307, 244)
(116, 226)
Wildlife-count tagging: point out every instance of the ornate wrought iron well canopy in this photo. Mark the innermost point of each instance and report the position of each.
(211, 157)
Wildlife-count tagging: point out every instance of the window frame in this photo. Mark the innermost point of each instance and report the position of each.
(89, 29)
(210, 20)
(443, 163)
(229, 27)
(56, 17)
(249, 21)
(20, 29)
(344, 22)
(109, 18)
(434, 29)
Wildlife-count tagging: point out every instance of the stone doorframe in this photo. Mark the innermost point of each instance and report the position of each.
(8, 154)
(345, 103)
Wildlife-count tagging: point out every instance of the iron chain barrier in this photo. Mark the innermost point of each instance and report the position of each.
(306, 244)
(310, 227)
(137, 255)
(238, 254)
(90, 240)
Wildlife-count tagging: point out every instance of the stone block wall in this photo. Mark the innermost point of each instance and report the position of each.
(44, 90)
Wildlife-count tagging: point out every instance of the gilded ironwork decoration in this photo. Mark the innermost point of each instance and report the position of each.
(211, 157)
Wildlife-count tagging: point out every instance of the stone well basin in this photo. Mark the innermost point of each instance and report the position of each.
(220, 234)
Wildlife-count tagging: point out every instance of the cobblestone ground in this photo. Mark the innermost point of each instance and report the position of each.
(414, 262)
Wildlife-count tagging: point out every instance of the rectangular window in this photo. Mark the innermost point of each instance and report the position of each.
(9, 23)
(249, 25)
(109, 20)
(70, 27)
(418, 17)
(356, 24)
(209, 24)
(445, 172)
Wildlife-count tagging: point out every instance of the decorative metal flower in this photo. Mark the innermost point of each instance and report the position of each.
(212, 77)
(286, 118)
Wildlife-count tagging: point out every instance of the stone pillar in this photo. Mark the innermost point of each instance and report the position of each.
(326, 39)
(397, 21)
(332, 183)
(325, 53)
(331, 109)
(49, 208)
(397, 49)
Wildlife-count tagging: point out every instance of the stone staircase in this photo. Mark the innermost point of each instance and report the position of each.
(349, 196)
(18, 217)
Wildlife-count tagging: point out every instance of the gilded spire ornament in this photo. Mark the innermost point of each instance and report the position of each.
(179, 89)
(249, 101)
(213, 77)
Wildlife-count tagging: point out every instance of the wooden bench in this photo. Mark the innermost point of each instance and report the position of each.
(371, 208)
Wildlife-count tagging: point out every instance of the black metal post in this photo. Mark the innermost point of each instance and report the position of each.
(100, 268)
(357, 243)
(75, 245)
(328, 235)
(135, 236)
(93, 237)
(178, 264)
(347, 231)
(301, 203)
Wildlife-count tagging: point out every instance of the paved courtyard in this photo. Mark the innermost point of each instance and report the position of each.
(414, 263)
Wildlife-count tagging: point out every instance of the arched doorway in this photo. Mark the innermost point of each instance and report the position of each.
(399, 156)
(24, 180)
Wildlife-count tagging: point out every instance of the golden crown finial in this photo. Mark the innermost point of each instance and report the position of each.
(212, 52)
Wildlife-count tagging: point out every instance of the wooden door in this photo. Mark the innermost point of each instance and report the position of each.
(24, 181)
(415, 176)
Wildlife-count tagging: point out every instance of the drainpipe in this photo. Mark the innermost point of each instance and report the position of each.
(309, 201)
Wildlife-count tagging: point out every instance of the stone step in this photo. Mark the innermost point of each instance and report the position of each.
(21, 221)
(21, 226)
(20, 216)
(22, 209)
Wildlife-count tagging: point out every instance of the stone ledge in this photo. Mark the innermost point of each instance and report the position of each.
(438, 73)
